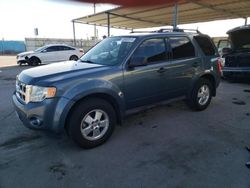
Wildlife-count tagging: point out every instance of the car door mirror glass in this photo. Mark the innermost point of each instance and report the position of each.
(137, 61)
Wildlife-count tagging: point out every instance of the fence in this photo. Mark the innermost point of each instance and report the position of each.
(34, 43)
(11, 47)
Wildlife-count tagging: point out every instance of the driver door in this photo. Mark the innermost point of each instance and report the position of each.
(143, 84)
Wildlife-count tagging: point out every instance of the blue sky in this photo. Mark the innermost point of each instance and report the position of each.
(18, 18)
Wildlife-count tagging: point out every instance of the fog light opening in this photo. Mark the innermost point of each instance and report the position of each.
(34, 121)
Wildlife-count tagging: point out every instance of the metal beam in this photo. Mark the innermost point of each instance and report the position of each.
(74, 32)
(137, 19)
(214, 8)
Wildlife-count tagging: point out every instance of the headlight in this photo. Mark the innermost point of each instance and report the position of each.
(38, 94)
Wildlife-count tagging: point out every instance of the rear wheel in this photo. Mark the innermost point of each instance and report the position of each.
(34, 61)
(91, 122)
(73, 58)
(201, 95)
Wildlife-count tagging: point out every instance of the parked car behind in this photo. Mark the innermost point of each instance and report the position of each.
(237, 54)
(49, 54)
(89, 97)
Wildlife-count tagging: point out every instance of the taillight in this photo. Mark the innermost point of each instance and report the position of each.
(219, 62)
(81, 51)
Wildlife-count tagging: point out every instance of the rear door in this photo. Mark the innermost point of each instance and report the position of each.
(184, 64)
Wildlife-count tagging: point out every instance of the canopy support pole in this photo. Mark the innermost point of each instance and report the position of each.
(108, 23)
(74, 32)
(175, 16)
(245, 21)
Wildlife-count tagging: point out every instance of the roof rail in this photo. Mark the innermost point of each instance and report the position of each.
(177, 30)
(168, 30)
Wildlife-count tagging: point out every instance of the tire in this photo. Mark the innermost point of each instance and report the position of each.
(34, 61)
(73, 58)
(91, 122)
(201, 95)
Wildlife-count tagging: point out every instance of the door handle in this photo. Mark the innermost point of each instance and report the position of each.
(196, 64)
(161, 70)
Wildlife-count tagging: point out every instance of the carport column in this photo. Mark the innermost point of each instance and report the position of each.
(245, 21)
(108, 23)
(175, 16)
(74, 33)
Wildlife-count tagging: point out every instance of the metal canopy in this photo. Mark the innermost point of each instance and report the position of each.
(189, 11)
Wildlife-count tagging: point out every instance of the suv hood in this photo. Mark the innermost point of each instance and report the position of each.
(25, 53)
(56, 71)
(240, 38)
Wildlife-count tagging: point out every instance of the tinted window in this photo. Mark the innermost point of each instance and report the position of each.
(67, 48)
(153, 49)
(53, 48)
(206, 45)
(181, 47)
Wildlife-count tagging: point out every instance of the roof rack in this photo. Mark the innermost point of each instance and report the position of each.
(177, 30)
(168, 30)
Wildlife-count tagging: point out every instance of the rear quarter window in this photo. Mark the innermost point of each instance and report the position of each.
(206, 45)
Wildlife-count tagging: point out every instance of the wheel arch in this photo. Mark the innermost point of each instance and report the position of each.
(107, 97)
(211, 78)
(34, 56)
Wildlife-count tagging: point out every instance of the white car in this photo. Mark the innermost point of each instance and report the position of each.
(49, 54)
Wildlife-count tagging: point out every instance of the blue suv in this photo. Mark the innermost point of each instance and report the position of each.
(89, 97)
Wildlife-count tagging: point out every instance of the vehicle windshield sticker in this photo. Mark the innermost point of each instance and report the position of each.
(128, 39)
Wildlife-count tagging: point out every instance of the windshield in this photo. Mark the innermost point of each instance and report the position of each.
(110, 51)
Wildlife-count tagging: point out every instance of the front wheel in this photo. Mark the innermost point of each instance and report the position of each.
(34, 61)
(91, 122)
(201, 95)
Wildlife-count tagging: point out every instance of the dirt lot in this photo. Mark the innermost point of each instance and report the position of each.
(6, 61)
(167, 146)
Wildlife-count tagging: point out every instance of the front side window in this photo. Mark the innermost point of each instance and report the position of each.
(52, 49)
(153, 50)
(110, 51)
(181, 47)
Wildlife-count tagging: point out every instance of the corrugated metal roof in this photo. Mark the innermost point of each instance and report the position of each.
(189, 11)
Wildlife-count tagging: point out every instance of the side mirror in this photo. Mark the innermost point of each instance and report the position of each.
(137, 61)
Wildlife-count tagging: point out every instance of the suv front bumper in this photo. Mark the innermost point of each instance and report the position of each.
(46, 115)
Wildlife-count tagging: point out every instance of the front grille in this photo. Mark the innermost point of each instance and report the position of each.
(21, 91)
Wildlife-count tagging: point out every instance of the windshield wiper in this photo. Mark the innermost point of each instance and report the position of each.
(88, 61)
